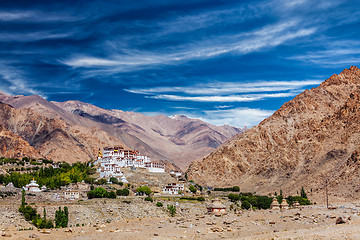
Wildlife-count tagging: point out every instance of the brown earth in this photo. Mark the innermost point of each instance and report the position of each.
(311, 139)
(134, 218)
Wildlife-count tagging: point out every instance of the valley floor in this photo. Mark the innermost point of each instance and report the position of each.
(133, 218)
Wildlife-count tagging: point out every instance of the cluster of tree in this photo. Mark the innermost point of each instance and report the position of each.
(31, 214)
(302, 199)
(62, 217)
(24, 160)
(100, 192)
(248, 200)
(144, 190)
(201, 199)
(123, 192)
(229, 189)
(51, 177)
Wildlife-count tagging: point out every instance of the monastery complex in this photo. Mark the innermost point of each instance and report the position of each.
(112, 159)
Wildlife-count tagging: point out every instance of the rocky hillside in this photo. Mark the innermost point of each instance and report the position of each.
(179, 139)
(313, 138)
(13, 146)
(23, 132)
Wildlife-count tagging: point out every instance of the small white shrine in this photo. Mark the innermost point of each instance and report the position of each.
(32, 187)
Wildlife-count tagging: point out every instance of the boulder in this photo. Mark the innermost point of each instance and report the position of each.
(341, 220)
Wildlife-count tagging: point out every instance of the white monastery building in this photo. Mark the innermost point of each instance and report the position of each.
(173, 188)
(112, 159)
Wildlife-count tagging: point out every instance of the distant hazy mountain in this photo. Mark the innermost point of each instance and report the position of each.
(178, 140)
(313, 138)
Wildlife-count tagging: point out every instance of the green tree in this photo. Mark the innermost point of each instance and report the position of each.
(245, 205)
(172, 210)
(123, 192)
(303, 193)
(192, 189)
(114, 180)
(234, 197)
(144, 190)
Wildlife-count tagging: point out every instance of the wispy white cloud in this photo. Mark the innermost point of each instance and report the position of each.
(269, 36)
(33, 36)
(13, 82)
(337, 52)
(231, 98)
(230, 87)
(238, 117)
(37, 16)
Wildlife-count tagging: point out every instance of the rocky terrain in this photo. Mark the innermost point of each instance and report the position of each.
(23, 132)
(13, 146)
(134, 218)
(310, 140)
(178, 140)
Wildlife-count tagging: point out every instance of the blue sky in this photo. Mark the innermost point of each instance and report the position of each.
(226, 62)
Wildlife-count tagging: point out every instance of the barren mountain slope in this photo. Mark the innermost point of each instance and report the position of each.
(13, 146)
(53, 138)
(308, 140)
(178, 139)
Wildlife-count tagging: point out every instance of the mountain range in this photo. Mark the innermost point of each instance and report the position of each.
(73, 131)
(312, 141)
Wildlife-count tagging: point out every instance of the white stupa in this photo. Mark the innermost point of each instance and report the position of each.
(123, 179)
(32, 186)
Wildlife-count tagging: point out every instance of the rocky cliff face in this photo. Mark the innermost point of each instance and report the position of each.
(13, 146)
(27, 133)
(310, 139)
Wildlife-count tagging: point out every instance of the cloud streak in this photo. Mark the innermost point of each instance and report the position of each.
(231, 87)
(269, 36)
(240, 117)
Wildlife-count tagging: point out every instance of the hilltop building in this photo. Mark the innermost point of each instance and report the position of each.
(173, 188)
(112, 159)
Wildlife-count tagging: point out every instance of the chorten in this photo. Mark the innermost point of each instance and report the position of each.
(275, 204)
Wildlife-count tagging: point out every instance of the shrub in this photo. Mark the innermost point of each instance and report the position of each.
(172, 210)
(111, 194)
(201, 199)
(234, 197)
(114, 180)
(245, 205)
(149, 199)
(159, 204)
(123, 192)
(192, 189)
(144, 189)
(100, 192)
